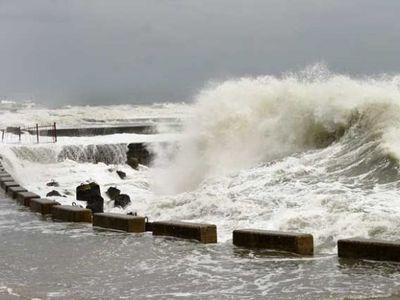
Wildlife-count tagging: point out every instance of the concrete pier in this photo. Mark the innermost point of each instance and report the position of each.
(42, 206)
(274, 240)
(205, 233)
(119, 222)
(24, 198)
(69, 213)
(7, 184)
(13, 190)
(359, 248)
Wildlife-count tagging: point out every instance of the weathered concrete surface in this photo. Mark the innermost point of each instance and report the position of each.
(24, 198)
(7, 184)
(205, 233)
(71, 213)
(119, 222)
(6, 178)
(42, 206)
(359, 248)
(275, 240)
(13, 190)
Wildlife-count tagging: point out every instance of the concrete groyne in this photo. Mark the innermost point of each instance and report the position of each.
(43, 206)
(204, 233)
(299, 243)
(121, 222)
(359, 248)
(25, 198)
(70, 213)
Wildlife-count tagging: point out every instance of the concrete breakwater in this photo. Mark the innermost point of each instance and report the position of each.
(144, 126)
(298, 243)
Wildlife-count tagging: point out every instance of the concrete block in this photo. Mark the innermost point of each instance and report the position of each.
(274, 240)
(42, 206)
(205, 233)
(359, 248)
(149, 226)
(25, 198)
(71, 213)
(119, 222)
(6, 178)
(5, 185)
(13, 190)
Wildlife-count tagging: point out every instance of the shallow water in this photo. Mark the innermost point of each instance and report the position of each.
(43, 259)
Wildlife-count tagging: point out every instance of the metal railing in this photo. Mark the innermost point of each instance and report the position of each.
(34, 134)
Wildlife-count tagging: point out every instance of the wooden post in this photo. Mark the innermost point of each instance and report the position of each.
(55, 132)
(37, 133)
(2, 136)
(19, 133)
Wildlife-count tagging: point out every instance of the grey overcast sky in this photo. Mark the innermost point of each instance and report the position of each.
(143, 51)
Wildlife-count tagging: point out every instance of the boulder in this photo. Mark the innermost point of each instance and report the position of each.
(113, 193)
(138, 154)
(121, 174)
(96, 204)
(53, 193)
(53, 183)
(133, 162)
(85, 192)
(122, 200)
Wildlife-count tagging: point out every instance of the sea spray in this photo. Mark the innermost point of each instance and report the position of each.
(240, 123)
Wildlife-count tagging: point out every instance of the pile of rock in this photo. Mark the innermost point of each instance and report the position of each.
(121, 200)
(91, 194)
(138, 154)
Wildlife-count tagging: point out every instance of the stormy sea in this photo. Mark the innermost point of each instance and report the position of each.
(311, 152)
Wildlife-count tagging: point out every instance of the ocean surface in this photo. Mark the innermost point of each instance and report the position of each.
(312, 152)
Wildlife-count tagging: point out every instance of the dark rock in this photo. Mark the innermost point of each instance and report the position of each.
(122, 200)
(133, 162)
(53, 183)
(121, 174)
(138, 154)
(53, 193)
(96, 204)
(85, 192)
(113, 193)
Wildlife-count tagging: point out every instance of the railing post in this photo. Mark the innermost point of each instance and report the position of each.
(2, 136)
(55, 132)
(19, 133)
(37, 133)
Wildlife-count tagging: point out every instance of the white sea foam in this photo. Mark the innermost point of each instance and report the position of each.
(255, 154)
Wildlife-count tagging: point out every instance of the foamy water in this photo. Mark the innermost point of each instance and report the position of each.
(311, 152)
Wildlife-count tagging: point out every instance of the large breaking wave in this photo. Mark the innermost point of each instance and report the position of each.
(240, 123)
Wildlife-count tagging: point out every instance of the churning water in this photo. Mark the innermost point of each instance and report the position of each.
(311, 152)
